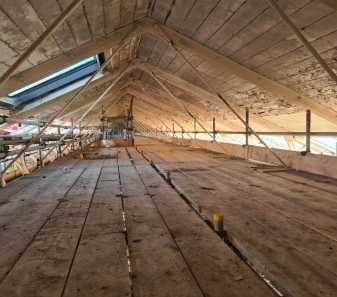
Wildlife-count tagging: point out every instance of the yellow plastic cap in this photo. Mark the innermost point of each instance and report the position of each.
(218, 217)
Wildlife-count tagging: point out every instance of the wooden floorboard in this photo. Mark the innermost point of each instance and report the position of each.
(100, 265)
(20, 228)
(220, 269)
(34, 177)
(284, 237)
(44, 265)
(158, 268)
(74, 234)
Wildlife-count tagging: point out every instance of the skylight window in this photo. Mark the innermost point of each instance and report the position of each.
(56, 81)
(51, 76)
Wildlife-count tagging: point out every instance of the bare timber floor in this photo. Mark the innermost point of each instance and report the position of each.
(284, 223)
(113, 227)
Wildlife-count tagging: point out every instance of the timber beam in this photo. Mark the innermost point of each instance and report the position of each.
(202, 94)
(189, 106)
(148, 25)
(209, 115)
(39, 105)
(331, 3)
(73, 108)
(244, 73)
(165, 107)
(101, 44)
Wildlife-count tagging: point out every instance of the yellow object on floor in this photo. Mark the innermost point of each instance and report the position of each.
(94, 144)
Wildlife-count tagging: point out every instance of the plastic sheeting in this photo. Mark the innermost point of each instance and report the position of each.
(107, 143)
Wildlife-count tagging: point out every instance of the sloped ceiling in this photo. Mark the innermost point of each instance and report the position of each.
(248, 32)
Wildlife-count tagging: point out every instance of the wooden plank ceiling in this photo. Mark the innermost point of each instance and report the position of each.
(248, 32)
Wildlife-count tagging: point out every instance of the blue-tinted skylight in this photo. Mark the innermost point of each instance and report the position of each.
(52, 76)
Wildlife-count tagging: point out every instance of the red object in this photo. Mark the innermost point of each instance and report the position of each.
(9, 129)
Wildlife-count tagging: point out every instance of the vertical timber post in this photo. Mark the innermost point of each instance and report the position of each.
(103, 128)
(308, 130)
(195, 128)
(247, 130)
(80, 143)
(173, 130)
(59, 146)
(72, 136)
(40, 140)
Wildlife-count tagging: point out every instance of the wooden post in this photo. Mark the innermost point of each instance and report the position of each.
(40, 151)
(308, 129)
(247, 122)
(195, 128)
(59, 146)
(72, 135)
(80, 142)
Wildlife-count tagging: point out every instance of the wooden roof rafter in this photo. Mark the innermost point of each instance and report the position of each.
(241, 71)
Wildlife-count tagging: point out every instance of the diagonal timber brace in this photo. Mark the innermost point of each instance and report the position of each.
(148, 25)
(251, 76)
